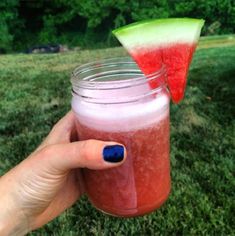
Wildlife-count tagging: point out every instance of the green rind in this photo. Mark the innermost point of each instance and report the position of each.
(155, 22)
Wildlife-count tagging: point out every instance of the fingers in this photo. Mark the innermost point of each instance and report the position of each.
(92, 154)
(62, 131)
(58, 152)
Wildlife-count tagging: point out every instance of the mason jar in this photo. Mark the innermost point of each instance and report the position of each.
(114, 101)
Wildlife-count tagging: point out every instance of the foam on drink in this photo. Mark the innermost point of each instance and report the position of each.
(121, 116)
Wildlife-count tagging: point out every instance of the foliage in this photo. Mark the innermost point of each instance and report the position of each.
(26, 23)
(219, 14)
(8, 16)
(35, 93)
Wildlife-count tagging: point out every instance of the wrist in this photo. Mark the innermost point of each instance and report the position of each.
(13, 227)
(12, 221)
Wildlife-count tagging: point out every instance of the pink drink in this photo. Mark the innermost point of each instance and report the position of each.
(142, 183)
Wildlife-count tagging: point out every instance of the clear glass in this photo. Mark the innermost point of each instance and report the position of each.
(114, 101)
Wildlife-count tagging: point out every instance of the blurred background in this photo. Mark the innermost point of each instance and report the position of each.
(88, 24)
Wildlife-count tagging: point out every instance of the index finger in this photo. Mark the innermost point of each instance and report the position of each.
(64, 131)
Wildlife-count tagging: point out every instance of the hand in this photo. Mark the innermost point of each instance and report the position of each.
(47, 182)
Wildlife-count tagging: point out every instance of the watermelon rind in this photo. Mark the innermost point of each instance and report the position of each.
(159, 32)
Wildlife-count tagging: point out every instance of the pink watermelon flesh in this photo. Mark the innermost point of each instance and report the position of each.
(176, 58)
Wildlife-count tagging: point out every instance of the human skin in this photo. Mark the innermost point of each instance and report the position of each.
(47, 182)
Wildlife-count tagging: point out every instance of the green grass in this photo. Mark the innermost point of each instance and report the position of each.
(35, 93)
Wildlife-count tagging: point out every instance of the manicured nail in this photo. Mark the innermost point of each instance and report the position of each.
(113, 153)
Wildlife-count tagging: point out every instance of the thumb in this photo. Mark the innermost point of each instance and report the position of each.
(92, 154)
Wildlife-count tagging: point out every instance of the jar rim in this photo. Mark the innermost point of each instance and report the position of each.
(115, 81)
(87, 81)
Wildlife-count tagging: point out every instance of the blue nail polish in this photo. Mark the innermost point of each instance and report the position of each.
(113, 153)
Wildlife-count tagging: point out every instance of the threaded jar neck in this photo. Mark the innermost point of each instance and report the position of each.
(117, 80)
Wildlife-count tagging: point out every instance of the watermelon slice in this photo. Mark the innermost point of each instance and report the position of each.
(170, 41)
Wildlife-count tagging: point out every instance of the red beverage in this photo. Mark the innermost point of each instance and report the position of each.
(142, 183)
(113, 101)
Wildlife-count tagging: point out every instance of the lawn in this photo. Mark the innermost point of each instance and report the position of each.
(35, 93)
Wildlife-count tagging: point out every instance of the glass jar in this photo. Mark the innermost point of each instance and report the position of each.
(114, 101)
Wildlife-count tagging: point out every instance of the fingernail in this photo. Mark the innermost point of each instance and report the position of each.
(113, 153)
